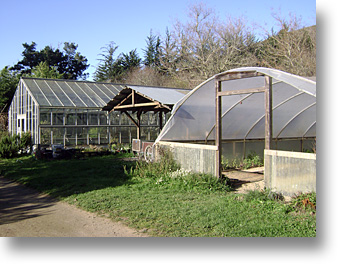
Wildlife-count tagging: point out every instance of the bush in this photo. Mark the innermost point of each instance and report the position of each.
(160, 168)
(10, 145)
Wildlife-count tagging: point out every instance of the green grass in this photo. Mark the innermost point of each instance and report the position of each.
(183, 205)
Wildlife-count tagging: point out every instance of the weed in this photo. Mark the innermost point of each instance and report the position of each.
(303, 202)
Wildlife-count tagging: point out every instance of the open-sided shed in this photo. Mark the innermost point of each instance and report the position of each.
(141, 99)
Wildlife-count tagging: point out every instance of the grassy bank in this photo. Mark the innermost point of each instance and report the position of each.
(160, 203)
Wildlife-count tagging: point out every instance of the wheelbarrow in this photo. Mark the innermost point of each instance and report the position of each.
(144, 149)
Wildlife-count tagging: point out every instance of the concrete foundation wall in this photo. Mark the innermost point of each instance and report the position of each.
(194, 157)
(289, 172)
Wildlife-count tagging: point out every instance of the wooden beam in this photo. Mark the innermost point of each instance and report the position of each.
(133, 97)
(126, 99)
(243, 91)
(131, 118)
(236, 75)
(218, 130)
(136, 105)
(269, 110)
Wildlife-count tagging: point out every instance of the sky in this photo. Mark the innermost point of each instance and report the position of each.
(94, 24)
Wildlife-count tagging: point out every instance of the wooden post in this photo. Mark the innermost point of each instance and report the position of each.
(160, 116)
(269, 110)
(218, 130)
(139, 124)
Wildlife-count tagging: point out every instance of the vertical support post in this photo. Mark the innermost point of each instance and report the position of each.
(133, 97)
(160, 116)
(268, 116)
(218, 130)
(139, 124)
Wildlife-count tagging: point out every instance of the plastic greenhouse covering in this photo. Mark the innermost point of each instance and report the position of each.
(293, 109)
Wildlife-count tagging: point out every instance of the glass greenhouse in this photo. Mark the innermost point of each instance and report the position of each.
(70, 113)
(193, 118)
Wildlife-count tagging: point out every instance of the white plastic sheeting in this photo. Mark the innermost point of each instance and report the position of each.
(294, 109)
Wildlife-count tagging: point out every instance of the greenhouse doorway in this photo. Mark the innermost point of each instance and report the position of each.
(21, 121)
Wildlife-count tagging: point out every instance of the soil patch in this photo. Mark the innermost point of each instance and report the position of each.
(243, 181)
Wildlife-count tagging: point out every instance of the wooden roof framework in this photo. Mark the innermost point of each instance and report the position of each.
(130, 100)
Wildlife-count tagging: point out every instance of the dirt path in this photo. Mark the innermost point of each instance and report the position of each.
(27, 213)
(248, 180)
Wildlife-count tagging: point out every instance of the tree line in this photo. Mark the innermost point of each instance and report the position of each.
(187, 54)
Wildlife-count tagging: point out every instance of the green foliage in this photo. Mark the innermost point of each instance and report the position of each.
(43, 70)
(153, 51)
(10, 145)
(116, 69)
(161, 168)
(263, 196)
(8, 84)
(69, 63)
(253, 160)
(303, 202)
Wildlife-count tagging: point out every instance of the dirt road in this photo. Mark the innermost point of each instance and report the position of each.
(27, 213)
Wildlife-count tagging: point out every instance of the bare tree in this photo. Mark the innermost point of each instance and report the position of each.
(292, 48)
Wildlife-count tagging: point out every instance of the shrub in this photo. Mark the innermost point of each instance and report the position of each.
(163, 167)
(10, 145)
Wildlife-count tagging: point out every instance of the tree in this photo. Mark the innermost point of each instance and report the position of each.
(69, 63)
(43, 70)
(129, 61)
(8, 84)
(108, 68)
(153, 51)
(204, 46)
(116, 69)
(291, 49)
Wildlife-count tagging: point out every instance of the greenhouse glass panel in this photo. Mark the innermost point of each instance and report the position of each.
(45, 116)
(103, 135)
(92, 94)
(60, 93)
(58, 135)
(115, 134)
(103, 118)
(84, 97)
(114, 117)
(70, 138)
(124, 120)
(49, 94)
(81, 135)
(125, 135)
(81, 117)
(57, 117)
(93, 136)
(45, 136)
(70, 117)
(93, 118)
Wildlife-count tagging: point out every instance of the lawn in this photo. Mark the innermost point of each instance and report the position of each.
(162, 203)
